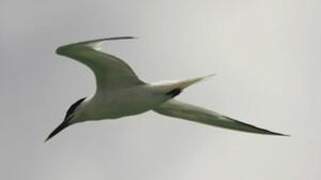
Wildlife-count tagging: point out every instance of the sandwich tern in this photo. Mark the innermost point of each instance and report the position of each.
(121, 93)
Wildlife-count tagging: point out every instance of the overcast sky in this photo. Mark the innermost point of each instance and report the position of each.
(266, 54)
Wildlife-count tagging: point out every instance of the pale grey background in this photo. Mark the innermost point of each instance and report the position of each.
(266, 54)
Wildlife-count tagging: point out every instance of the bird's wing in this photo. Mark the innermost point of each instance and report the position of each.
(110, 71)
(194, 113)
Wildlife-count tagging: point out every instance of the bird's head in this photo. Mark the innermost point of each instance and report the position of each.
(68, 118)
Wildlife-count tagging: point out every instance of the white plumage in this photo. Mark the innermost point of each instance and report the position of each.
(121, 93)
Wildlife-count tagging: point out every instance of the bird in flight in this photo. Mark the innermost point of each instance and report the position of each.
(121, 93)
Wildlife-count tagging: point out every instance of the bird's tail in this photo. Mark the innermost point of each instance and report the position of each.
(173, 88)
(188, 82)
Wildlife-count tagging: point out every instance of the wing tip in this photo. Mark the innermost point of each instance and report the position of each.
(62, 49)
(121, 37)
(277, 134)
(259, 130)
(263, 131)
(107, 39)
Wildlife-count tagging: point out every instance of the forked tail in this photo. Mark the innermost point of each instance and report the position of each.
(173, 88)
(188, 82)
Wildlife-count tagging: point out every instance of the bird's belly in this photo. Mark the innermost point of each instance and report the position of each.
(124, 103)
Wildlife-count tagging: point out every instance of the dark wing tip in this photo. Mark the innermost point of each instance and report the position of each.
(119, 37)
(277, 134)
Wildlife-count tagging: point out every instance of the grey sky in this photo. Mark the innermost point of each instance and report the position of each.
(266, 55)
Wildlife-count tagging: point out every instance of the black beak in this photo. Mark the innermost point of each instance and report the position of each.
(62, 126)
